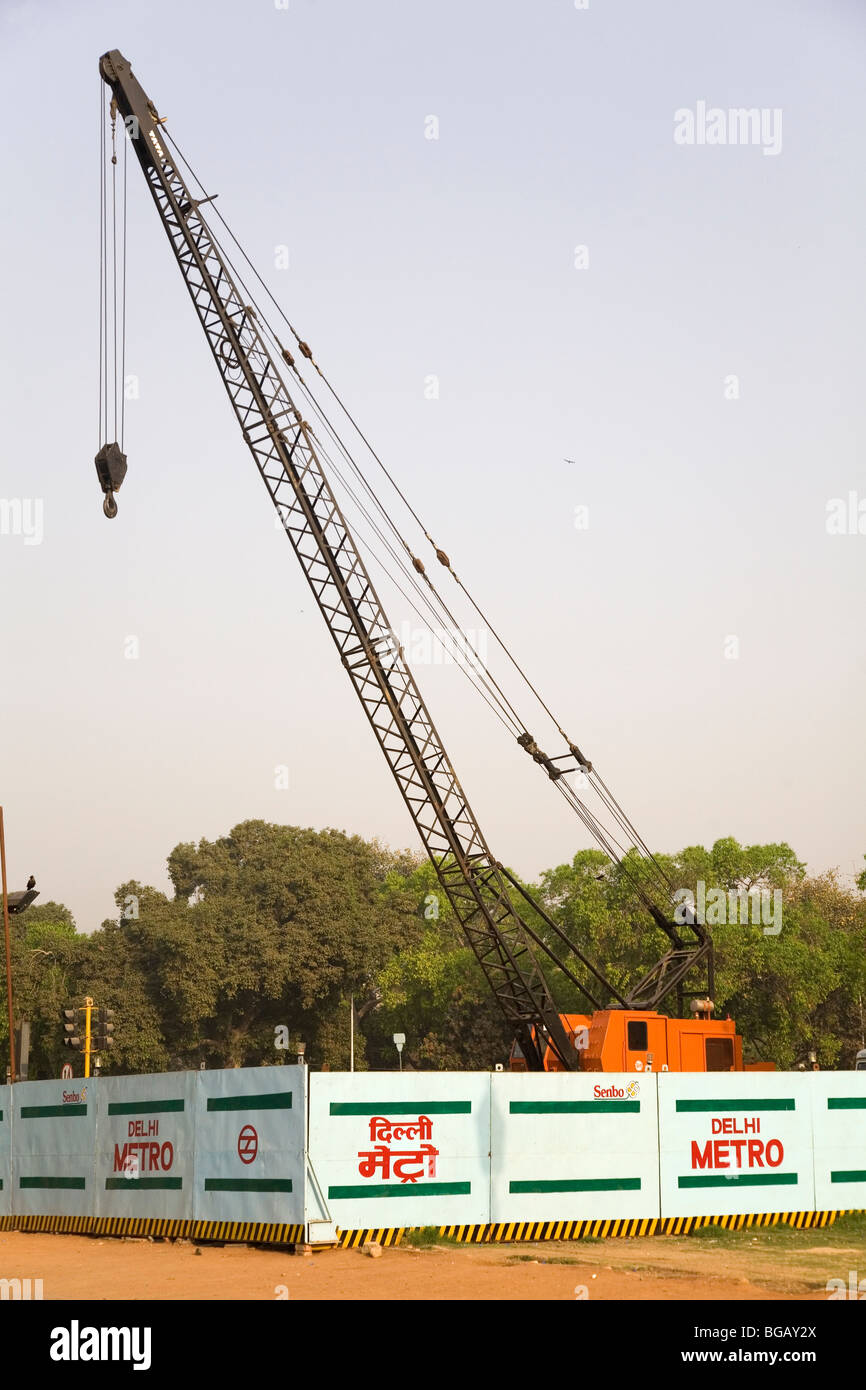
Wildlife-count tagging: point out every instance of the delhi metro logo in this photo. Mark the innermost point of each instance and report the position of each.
(248, 1144)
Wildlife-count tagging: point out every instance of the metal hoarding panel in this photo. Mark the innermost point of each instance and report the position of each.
(734, 1142)
(250, 1145)
(53, 1143)
(5, 1150)
(145, 1146)
(839, 1127)
(396, 1150)
(573, 1148)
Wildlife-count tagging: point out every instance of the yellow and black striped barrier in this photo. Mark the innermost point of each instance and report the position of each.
(261, 1233)
(505, 1232)
(240, 1232)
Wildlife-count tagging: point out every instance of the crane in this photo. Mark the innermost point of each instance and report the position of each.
(508, 930)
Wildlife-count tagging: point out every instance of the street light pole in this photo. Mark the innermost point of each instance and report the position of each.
(8, 951)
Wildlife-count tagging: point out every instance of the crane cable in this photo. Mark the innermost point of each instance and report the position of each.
(478, 672)
(478, 675)
(608, 842)
(101, 433)
(306, 352)
(112, 282)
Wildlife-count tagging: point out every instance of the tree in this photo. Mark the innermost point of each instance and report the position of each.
(272, 931)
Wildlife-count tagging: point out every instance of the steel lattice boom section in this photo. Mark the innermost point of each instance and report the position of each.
(285, 456)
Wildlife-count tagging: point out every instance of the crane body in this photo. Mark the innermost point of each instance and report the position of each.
(645, 1040)
(506, 939)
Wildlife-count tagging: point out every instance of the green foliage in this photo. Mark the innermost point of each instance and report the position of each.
(275, 932)
(790, 993)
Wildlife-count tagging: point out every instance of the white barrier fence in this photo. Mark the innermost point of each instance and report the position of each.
(5, 1151)
(225, 1146)
(573, 1148)
(402, 1150)
(734, 1142)
(278, 1148)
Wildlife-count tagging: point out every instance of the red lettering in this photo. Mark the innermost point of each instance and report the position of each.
(717, 1126)
(169, 1159)
(775, 1144)
(153, 1160)
(702, 1158)
(720, 1153)
(737, 1145)
(120, 1157)
(756, 1148)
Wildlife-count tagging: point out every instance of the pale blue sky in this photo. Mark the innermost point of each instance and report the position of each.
(455, 257)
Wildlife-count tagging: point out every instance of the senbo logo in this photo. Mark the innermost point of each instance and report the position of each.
(616, 1092)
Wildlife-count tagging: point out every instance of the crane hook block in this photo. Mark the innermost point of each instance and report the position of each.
(111, 471)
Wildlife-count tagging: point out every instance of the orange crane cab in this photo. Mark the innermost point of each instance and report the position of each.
(620, 1040)
(577, 1027)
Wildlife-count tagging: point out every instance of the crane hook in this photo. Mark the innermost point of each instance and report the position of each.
(111, 471)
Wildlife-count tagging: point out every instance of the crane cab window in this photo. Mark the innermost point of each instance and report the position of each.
(720, 1054)
(637, 1035)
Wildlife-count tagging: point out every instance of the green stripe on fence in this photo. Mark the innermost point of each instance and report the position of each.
(144, 1184)
(60, 1184)
(401, 1107)
(849, 1175)
(846, 1103)
(704, 1107)
(574, 1107)
(270, 1100)
(578, 1185)
(144, 1107)
(248, 1185)
(392, 1189)
(741, 1180)
(52, 1112)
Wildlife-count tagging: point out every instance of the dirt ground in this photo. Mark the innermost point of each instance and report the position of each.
(737, 1266)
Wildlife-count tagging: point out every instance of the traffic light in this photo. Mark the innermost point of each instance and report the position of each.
(105, 1027)
(70, 1038)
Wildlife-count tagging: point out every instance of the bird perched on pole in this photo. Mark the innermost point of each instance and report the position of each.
(31, 883)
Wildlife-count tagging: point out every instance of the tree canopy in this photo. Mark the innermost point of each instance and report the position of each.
(275, 933)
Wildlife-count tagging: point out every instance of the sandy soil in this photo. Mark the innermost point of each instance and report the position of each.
(670, 1269)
